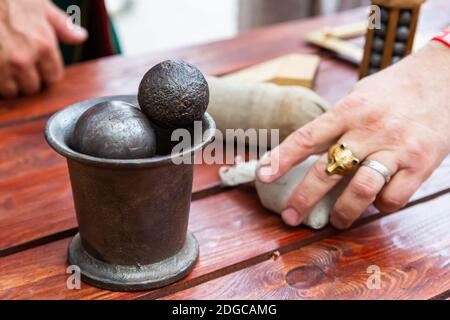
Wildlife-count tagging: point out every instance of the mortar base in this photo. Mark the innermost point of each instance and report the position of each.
(133, 278)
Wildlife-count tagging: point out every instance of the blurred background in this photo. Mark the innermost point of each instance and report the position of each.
(196, 21)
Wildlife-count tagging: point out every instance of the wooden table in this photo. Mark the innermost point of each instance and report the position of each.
(240, 242)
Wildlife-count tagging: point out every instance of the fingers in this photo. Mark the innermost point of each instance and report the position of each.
(25, 76)
(398, 192)
(27, 70)
(50, 65)
(28, 79)
(66, 31)
(51, 69)
(311, 139)
(8, 86)
(9, 89)
(357, 197)
(314, 186)
(361, 192)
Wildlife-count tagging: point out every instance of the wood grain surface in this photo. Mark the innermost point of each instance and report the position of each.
(233, 230)
(411, 250)
(231, 227)
(35, 195)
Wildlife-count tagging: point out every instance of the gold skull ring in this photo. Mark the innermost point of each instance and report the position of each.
(341, 160)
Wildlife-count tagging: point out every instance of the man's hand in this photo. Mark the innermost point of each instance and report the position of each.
(29, 52)
(399, 117)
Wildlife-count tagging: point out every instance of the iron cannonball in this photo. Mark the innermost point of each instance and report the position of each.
(173, 94)
(114, 130)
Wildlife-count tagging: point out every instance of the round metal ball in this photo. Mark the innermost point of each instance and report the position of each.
(403, 33)
(373, 71)
(405, 18)
(378, 45)
(375, 60)
(399, 48)
(173, 94)
(381, 31)
(396, 59)
(114, 130)
(384, 15)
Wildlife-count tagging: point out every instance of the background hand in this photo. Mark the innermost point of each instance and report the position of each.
(29, 52)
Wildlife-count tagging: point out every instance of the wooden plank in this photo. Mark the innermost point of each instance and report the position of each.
(347, 31)
(411, 249)
(35, 194)
(233, 229)
(287, 70)
(345, 49)
(399, 3)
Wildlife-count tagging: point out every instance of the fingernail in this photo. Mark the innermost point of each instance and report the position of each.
(265, 174)
(291, 217)
(265, 171)
(265, 160)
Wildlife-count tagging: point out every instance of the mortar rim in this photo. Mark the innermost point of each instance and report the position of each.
(57, 141)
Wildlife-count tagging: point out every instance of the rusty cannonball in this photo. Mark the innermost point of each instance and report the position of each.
(173, 94)
(114, 130)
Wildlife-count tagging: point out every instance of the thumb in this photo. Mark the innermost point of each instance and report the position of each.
(66, 31)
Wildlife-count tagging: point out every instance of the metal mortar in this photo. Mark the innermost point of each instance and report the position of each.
(132, 214)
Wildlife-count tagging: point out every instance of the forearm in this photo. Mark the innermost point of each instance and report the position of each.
(435, 56)
(434, 63)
